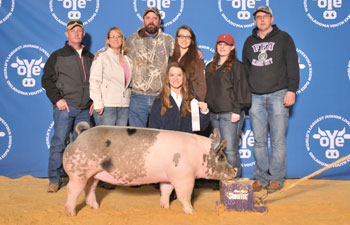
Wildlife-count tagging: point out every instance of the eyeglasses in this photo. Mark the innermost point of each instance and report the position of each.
(266, 16)
(115, 37)
(184, 37)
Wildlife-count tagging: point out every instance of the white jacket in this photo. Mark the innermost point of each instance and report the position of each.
(107, 81)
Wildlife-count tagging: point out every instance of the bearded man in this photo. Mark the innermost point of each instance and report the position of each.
(149, 48)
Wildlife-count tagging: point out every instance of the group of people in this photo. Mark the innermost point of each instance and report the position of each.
(152, 80)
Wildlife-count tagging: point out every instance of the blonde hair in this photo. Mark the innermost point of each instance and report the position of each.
(122, 47)
(186, 92)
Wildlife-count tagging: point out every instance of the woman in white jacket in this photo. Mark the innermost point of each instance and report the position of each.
(110, 78)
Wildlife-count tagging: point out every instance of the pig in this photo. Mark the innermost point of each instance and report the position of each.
(130, 156)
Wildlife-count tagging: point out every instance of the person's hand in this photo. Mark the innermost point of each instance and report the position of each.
(203, 106)
(289, 98)
(99, 111)
(62, 105)
(91, 109)
(96, 54)
(200, 54)
(235, 117)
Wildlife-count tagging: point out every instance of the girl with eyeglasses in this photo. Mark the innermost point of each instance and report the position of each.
(187, 55)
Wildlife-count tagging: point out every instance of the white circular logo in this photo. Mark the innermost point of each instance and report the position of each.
(170, 10)
(328, 13)
(6, 8)
(65, 10)
(239, 13)
(326, 138)
(305, 68)
(5, 139)
(49, 134)
(23, 69)
(349, 69)
(208, 53)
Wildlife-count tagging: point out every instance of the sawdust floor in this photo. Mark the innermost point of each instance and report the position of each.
(25, 201)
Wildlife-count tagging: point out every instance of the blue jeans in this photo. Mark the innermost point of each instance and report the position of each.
(139, 110)
(114, 116)
(268, 113)
(64, 124)
(231, 132)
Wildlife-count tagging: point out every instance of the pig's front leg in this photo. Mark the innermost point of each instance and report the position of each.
(165, 191)
(90, 189)
(184, 190)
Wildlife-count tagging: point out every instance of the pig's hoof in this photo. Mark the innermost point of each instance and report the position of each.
(189, 210)
(93, 205)
(164, 203)
(70, 211)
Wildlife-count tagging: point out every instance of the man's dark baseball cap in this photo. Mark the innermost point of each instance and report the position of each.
(151, 9)
(263, 8)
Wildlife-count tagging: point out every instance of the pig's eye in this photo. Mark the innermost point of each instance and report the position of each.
(221, 158)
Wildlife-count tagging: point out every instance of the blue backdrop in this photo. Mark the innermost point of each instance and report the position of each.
(319, 128)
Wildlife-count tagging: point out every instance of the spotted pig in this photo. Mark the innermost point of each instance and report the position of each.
(133, 156)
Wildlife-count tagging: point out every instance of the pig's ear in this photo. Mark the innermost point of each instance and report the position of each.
(219, 149)
(215, 136)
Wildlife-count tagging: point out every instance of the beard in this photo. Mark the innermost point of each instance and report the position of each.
(151, 28)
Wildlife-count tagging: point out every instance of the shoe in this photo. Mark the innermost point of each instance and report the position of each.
(52, 188)
(274, 186)
(257, 186)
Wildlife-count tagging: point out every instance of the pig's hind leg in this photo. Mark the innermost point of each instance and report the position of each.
(165, 191)
(90, 193)
(74, 188)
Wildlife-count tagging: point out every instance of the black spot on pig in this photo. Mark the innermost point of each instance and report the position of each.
(108, 143)
(176, 159)
(107, 164)
(131, 131)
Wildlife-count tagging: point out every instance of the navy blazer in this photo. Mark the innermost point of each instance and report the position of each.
(172, 120)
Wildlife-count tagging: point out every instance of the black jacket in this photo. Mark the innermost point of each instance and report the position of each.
(228, 91)
(272, 62)
(64, 77)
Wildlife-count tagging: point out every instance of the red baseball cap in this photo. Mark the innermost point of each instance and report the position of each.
(227, 38)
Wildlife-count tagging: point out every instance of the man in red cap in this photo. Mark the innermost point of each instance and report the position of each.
(271, 57)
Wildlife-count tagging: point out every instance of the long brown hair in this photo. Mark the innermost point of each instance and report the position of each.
(186, 92)
(191, 60)
(120, 32)
(227, 64)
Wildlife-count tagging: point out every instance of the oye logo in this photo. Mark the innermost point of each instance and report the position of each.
(325, 143)
(5, 139)
(65, 10)
(170, 10)
(349, 69)
(305, 68)
(327, 13)
(239, 13)
(23, 68)
(49, 134)
(208, 53)
(7, 8)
